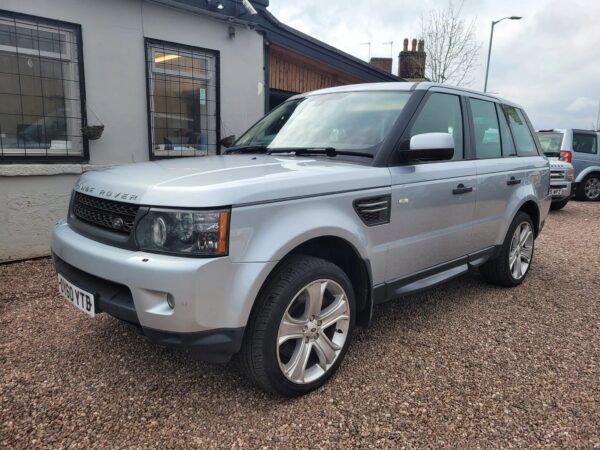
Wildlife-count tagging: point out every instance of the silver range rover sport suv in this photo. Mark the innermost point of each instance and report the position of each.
(334, 202)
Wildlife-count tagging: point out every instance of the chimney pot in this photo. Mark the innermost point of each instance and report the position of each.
(411, 64)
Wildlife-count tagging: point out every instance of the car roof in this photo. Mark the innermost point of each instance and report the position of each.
(404, 86)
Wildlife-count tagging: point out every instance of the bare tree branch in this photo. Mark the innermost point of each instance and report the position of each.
(452, 50)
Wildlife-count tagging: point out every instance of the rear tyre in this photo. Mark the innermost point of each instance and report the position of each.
(300, 328)
(512, 265)
(555, 206)
(589, 188)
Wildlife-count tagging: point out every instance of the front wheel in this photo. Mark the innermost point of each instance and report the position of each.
(300, 328)
(560, 204)
(511, 266)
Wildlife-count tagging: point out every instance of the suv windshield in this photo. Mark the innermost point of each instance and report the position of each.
(551, 143)
(349, 121)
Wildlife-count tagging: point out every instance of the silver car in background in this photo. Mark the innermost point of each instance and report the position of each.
(579, 148)
(336, 201)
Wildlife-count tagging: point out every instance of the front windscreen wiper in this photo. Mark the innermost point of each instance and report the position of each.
(247, 149)
(327, 151)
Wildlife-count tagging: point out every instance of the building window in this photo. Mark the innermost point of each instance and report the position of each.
(183, 103)
(41, 90)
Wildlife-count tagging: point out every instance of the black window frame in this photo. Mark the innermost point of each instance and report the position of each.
(217, 55)
(502, 118)
(536, 142)
(404, 141)
(472, 124)
(55, 159)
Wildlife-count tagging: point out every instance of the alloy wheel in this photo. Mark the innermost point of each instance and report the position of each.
(592, 188)
(521, 250)
(313, 331)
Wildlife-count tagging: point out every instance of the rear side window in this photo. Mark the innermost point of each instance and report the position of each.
(508, 146)
(585, 143)
(521, 133)
(486, 129)
(442, 114)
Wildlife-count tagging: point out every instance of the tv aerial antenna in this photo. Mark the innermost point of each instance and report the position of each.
(368, 44)
(391, 44)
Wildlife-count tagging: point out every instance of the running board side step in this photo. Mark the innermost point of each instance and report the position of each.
(430, 281)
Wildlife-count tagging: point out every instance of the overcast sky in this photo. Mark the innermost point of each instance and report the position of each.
(549, 61)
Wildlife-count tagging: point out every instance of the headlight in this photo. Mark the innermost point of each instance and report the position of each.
(192, 233)
(570, 174)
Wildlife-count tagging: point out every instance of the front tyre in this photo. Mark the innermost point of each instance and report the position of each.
(511, 266)
(300, 328)
(560, 204)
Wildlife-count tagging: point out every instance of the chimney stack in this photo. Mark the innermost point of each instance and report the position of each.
(384, 64)
(411, 64)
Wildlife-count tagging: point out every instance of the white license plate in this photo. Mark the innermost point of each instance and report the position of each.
(79, 298)
(557, 191)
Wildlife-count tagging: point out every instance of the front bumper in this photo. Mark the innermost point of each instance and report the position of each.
(560, 189)
(213, 296)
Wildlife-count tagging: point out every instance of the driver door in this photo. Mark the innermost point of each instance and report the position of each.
(433, 203)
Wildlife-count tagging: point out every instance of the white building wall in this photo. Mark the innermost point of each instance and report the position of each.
(33, 197)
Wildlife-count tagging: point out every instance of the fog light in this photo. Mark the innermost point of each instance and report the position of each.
(171, 301)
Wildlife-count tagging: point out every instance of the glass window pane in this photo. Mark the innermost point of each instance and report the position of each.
(9, 83)
(508, 147)
(178, 101)
(487, 133)
(585, 143)
(32, 105)
(40, 107)
(520, 131)
(442, 114)
(10, 104)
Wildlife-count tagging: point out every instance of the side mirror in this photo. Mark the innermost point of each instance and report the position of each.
(228, 141)
(429, 147)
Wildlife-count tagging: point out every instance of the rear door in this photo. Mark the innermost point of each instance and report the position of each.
(504, 148)
(432, 221)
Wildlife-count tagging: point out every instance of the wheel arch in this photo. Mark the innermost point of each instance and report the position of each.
(345, 255)
(531, 208)
(587, 171)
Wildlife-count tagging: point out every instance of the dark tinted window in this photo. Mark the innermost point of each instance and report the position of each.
(585, 143)
(508, 146)
(521, 133)
(486, 130)
(442, 114)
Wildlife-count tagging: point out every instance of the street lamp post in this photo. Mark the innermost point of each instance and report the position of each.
(487, 68)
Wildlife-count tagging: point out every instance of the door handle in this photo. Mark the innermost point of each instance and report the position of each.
(461, 189)
(513, 181)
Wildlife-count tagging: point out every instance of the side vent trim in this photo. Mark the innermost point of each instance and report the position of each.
(374, 210)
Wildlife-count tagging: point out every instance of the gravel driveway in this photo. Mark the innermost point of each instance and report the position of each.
(463, 364)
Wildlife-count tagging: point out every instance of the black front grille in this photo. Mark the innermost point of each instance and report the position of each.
(373, 210)
(116, 216)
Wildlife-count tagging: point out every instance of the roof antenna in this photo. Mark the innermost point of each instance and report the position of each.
(369, 44)
(391, 44)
